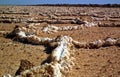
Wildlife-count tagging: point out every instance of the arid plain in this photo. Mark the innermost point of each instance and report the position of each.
(89, 62)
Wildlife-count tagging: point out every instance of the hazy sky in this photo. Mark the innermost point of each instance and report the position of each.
(22, 2)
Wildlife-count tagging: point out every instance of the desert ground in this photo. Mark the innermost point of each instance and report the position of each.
(96, 62)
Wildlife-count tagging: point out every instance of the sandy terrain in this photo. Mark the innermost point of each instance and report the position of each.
(102, 62)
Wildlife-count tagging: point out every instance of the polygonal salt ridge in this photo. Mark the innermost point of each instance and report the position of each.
(46, 70)
(65, 39)
(33, 39)
(18, 30)
(47, 40)
(29, 30)
(90, 24)
(110, 41)
(96, 44)
(79, 44)
(62, 48)
(54, 27)
(50, 29)
(38, 40)
(23, 32)
(32, 25)
(66, 64)
(56, 70)
(60, 52)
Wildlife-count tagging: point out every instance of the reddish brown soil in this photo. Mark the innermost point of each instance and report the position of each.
(102, 62)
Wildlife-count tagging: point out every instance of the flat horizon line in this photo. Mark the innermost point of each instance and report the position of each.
(93, 5)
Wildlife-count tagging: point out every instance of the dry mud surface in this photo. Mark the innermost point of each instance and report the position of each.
(101, 62)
